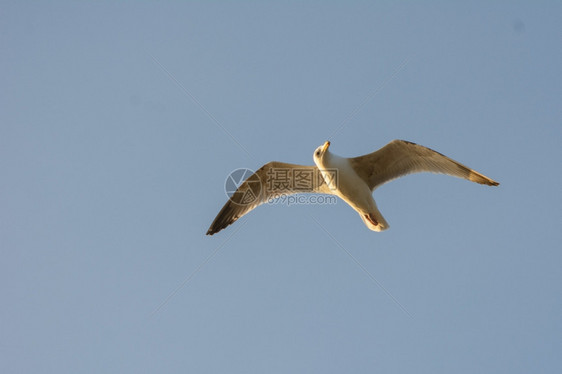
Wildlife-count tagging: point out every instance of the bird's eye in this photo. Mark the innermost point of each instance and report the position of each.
(317, 153)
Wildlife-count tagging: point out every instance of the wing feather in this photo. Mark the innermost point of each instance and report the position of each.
(400, 157)
(272, 180)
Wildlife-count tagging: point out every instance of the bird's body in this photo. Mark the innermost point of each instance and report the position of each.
(351, 179)
(352, 189)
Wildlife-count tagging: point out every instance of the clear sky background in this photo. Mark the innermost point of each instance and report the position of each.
(111, 174)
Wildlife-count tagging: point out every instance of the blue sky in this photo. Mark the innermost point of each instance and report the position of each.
(119, 124)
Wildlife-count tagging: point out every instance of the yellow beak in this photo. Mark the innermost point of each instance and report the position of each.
(325, 146)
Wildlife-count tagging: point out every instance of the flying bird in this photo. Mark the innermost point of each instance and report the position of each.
(352, 179)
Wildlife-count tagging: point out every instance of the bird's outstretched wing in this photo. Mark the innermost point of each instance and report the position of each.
(273, 180)
(400, 157)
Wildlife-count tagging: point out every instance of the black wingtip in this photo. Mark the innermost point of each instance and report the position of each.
(218, 226)
(212, 230)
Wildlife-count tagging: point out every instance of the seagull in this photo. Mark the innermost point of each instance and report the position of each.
(351, 179)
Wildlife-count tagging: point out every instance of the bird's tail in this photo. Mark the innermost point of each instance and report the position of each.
(374, 221)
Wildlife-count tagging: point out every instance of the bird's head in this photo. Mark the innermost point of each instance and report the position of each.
(320, 153)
